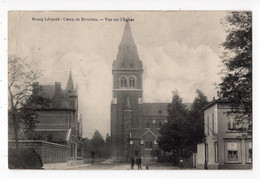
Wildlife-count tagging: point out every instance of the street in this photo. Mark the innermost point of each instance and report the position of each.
(108, 165)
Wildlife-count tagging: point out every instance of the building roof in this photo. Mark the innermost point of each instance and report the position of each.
(158, 109)
(58, 98)
(215, 101)
(155, 109)
(148, 131)
(47, 91)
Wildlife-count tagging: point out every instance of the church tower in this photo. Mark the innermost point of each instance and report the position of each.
(126, 105)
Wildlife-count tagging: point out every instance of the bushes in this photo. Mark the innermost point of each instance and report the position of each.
(27, 158)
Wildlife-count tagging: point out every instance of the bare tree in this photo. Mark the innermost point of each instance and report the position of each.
(20, 78)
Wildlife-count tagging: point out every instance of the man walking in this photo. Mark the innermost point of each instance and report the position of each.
(132, 162)
(139, 163)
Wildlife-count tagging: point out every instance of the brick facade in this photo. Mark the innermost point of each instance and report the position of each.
(129, 115)
(59, 122)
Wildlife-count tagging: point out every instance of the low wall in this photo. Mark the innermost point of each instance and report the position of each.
(49, 152)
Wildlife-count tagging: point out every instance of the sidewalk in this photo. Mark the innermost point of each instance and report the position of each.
(62, 166)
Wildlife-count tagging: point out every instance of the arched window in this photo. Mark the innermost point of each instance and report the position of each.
(123, 82)
(132, 82)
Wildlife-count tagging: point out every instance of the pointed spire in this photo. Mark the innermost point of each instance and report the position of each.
(127, 38)
(70, 85)
(127, 103)
(127, 55)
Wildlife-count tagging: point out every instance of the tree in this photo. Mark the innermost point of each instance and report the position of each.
(20, 78)
(28, 115)
(107, 146)
(86, 147)
(196, 120)
(236, 85)
(97, 143)
(174, 132)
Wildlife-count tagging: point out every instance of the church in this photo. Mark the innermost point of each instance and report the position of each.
(134, 125)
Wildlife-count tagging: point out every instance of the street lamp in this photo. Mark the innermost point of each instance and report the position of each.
(206, 162)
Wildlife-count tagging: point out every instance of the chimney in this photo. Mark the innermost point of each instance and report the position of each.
(57, 99)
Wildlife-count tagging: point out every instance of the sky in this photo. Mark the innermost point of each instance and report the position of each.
(179, 50)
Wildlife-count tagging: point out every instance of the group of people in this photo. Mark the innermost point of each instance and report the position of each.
(138, 162)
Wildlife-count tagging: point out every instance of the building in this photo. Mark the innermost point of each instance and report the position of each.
(224, 147)
(59, 123)
(134, 125)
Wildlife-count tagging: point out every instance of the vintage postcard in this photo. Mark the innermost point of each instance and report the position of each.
(130, 90)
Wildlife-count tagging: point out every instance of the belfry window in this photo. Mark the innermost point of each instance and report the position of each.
(132, 82)
(123, 82)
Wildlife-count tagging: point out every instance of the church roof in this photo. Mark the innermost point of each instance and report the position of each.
(158, 109)
(148, 131)
(127, 55)
(70, 86)
(155, 109)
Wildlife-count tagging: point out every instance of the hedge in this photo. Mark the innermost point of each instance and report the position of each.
(27, 158)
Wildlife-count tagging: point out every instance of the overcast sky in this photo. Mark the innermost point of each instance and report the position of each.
(179, 49)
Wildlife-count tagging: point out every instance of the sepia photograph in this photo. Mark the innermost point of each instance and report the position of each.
(130, 90)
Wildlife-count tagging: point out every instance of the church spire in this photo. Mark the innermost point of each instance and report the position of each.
(127, 38)
(127, 56)
(70, 85)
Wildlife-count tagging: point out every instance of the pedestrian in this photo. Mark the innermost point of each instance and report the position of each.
(132, 162)
(181, 163)
(139, 163)
(147, 167)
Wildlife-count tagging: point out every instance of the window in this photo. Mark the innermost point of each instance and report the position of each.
(146, 144)
(123, 65)
(131, 65)
(249, 152)
(216, 151)
(231, 122)
(207, 124)
(123, 82)
(213, 123)
(147, 124)
(132, 82)
(71, 150)
(232, 152)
